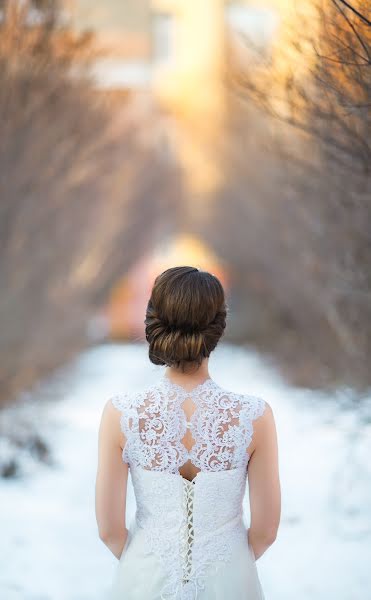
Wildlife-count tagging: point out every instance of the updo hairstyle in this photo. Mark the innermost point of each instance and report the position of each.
(185, 317)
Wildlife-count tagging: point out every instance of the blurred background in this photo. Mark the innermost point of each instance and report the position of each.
(142, 134)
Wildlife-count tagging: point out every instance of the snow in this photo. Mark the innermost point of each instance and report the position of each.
(50, 549)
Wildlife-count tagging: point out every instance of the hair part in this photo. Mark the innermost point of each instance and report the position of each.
(185, 317)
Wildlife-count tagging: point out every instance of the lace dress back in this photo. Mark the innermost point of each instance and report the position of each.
(191, 527)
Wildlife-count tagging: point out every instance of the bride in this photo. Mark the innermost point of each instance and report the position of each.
(190, 446)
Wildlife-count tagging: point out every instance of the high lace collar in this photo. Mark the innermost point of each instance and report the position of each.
(165, 381)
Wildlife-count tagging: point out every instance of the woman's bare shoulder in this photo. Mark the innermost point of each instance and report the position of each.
(118, 401)
(265, 425)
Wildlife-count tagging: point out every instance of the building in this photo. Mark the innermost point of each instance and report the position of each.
(184, 38)
(176, 52)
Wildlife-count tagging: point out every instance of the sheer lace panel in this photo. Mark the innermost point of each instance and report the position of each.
(154, 424)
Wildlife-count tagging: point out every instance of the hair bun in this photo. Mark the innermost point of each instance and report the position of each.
(185, 318)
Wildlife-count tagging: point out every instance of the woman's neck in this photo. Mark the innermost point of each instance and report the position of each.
(193, 377)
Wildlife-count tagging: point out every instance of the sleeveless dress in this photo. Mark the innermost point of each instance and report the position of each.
(188, 540)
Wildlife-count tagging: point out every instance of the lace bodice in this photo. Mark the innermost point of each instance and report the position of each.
(154, 424)
(191, 526)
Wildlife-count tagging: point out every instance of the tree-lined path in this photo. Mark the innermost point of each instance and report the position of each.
(47, 518)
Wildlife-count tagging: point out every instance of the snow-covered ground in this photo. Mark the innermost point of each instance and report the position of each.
(49, 547)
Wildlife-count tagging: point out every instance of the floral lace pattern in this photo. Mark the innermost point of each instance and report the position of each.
(192, 527)
(154, 424)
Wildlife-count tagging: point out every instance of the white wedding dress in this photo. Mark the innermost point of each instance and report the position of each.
(188, 540)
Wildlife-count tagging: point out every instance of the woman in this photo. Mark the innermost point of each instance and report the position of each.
(190, 446)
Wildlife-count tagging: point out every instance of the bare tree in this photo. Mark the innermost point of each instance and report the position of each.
(298, 191)
(81, 195)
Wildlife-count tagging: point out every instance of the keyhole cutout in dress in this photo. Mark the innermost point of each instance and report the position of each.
(188, 470)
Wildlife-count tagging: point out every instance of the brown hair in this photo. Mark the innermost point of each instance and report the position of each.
(185, 317)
